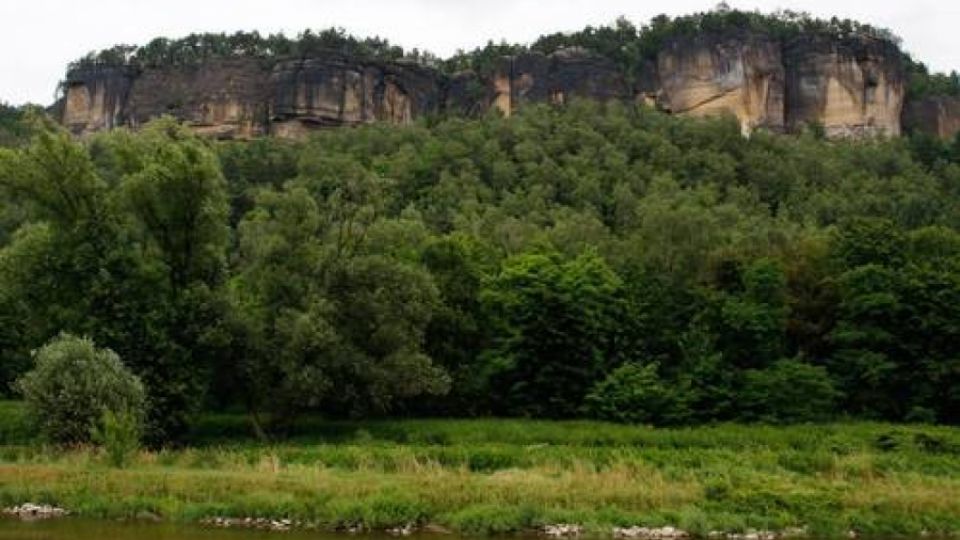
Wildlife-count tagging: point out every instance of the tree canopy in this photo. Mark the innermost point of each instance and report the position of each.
(595, 259)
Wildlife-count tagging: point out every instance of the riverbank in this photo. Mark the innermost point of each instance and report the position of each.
(501, 476)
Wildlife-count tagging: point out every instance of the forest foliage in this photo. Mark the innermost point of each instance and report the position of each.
(592, 260)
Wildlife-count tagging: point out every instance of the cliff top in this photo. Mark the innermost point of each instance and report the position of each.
(623, 42)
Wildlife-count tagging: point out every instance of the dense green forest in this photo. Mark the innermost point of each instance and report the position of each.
(12, 128)
(602, 261)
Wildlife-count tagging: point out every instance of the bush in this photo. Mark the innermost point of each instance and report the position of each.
(119, 435)
(790, 391)
(73, 385)
(634, 393)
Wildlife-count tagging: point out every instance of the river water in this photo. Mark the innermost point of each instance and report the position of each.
(76, 529)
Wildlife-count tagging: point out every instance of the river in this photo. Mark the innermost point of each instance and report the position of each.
(78, 529)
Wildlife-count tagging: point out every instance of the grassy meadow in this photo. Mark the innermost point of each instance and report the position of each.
(500, 476)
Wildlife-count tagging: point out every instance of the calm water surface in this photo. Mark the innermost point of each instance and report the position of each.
(78, 529)
(75, 529)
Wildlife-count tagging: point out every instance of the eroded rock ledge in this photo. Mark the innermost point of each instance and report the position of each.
(851, 87)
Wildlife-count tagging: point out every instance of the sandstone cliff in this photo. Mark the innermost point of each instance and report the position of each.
(738, 75)
(224, 98)
(247, 97)
(938, 116)
(537, 78)
(851, 87)
(556, 78)
(336, 91)
(96, 99)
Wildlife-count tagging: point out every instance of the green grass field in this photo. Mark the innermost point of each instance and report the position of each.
(495, 476)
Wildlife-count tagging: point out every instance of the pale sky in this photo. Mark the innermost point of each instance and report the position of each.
(39, 37)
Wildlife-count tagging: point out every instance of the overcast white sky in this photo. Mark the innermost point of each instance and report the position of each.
(38, 37)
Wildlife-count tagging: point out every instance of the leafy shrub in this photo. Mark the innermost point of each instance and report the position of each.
(73, 385)
(119, 435)
(790, 391)
(635, 393)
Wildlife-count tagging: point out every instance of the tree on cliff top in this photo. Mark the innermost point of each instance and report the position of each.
(196, 48)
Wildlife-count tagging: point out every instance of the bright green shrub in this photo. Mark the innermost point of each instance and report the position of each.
(635, 393)
(73, 385)
(790, 391)
(119, 434)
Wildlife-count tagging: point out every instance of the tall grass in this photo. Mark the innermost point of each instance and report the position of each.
(494, 476)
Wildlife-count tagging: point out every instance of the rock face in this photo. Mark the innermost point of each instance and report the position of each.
(336, 91)
(537, 78)
(739, 75)
(224, 98)
(852, 87)
(95, 99)
(246, 97)
(938, 116)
